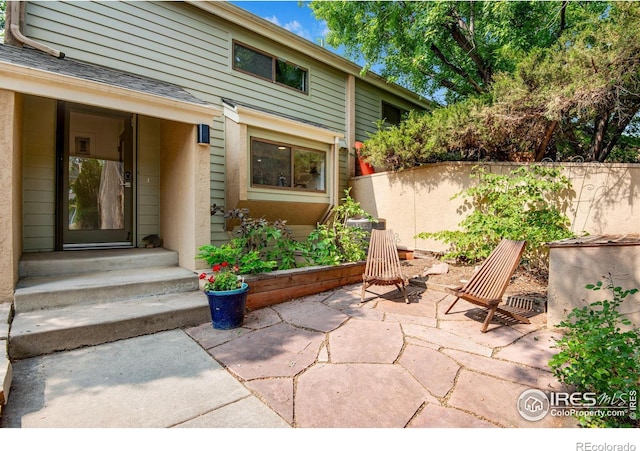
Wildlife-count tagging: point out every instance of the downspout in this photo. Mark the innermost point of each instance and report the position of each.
(17, 34)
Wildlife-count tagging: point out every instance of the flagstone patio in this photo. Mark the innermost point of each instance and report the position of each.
(328, 361)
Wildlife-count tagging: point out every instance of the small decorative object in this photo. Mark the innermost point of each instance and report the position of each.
(152, 241)
(227, 296)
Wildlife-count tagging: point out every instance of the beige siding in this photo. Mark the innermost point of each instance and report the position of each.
(39, 174)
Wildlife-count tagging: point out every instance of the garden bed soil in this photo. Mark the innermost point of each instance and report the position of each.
(523, 283)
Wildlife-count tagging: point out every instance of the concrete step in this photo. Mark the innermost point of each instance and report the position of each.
(37, 293)
(46, 264)
(45, 331)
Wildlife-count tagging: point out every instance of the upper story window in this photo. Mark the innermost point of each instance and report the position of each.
(284, 166)
(391, 114)
(263, 65)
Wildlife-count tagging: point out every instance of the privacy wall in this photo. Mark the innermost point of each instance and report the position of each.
(604, 199)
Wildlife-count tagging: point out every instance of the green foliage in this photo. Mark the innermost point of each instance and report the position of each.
(451, 46)
(3, 8)
(445, 134)
(321, 247)
(263, 246)
(524, 93)
(336, 242)
(600, 353)
(519, 205)
(86, 188)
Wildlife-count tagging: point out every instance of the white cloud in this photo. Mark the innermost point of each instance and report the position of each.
(273, 20)
(294, 26)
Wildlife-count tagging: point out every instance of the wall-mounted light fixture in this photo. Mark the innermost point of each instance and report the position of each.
(203, 134)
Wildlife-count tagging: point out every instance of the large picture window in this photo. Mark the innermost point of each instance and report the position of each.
(284, 166)
(263, 65)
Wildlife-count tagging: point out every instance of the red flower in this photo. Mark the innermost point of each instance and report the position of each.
(225, 264)
(203, 276)
(216, 268)
(212, 279)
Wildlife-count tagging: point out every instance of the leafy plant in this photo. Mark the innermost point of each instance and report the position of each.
(336, 242)
(596, 355)
(260, 246)
(516, 206)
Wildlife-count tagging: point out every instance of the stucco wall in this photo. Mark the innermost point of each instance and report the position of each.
(184, 190)
(605, 199)
(571, 268)
(11, 187)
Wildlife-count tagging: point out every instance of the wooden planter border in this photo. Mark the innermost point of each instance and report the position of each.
(279, 286)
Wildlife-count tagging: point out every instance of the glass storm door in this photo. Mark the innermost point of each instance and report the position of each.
(97, 167)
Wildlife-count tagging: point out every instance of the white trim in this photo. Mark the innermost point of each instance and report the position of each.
(273, 122)
(42, 83)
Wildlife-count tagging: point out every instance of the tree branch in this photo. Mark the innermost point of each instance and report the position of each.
(456, 69)
(471, 50)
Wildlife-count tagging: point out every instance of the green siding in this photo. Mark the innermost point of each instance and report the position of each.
(39, 174)
(369, 107)
(179, 43)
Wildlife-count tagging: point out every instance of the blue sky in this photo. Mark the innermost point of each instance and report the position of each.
(290, 16)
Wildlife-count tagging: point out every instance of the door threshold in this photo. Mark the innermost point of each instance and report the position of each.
(97, 246)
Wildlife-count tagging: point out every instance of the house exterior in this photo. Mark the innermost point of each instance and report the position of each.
(124, 119)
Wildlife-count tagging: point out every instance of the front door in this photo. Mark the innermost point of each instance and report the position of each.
(97, 179)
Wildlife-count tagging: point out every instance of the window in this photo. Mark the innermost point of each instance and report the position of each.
(284, 166)
(270, 68)
(392, 115)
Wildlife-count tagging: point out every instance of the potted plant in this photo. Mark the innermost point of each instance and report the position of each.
(227, 296)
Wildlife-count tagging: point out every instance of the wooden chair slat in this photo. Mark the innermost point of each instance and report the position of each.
(487, 286)
(383, 263)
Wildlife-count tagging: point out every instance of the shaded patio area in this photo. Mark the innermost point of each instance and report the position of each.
(327, 361)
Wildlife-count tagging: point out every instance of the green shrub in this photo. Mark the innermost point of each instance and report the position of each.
(336, 243)
(597, 356)
(517, 206)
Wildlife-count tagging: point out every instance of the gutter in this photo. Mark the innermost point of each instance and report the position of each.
(17, 34)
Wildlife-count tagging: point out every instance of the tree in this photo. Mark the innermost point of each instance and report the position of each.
(578, 97)
(3, 8)
(455, 46)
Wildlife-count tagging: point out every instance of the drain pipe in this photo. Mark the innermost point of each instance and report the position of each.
(17, 34)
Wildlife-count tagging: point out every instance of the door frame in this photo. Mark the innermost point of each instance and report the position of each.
(62, 154)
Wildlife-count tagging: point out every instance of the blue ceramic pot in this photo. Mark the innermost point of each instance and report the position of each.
(227, 307)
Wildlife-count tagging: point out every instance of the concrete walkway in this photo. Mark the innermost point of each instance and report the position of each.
(319, 362)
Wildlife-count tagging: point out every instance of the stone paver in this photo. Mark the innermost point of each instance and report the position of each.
(433, 369)
(445, 339)
(534, 349)
(494, 400)
(511, 371)
(435, 416)
(357, 396)
(280, 350)
(311, 315)
(277, 393)
(366, 341)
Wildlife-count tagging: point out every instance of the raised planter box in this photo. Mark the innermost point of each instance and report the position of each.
(279, 286)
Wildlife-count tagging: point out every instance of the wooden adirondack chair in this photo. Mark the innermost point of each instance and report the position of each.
(489, 283)
(383, 263)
